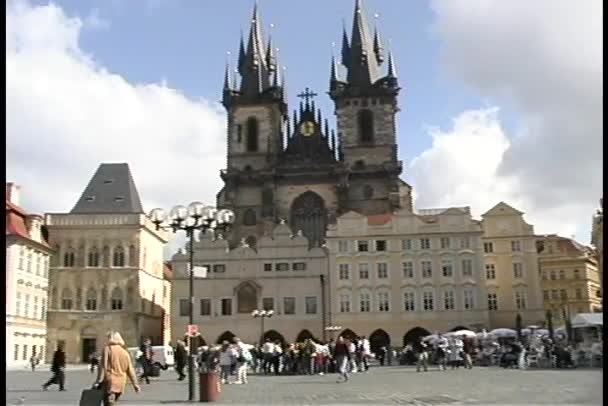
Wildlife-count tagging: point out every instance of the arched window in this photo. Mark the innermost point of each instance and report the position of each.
(366, 125)
(119, 257)
(93, 258)
(67, 300)
(252, 135)
(117, 299)
(91, 303)
(249, 218)
(69, 258)
(309, 215)
(132, 255)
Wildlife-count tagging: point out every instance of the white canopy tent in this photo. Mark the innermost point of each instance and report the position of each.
(583, 320)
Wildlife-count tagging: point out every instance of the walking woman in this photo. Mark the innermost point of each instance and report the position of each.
(114, 369)
(342, 354)
(58, 370)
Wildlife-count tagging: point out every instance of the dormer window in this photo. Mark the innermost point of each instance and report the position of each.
(108, 181)
(119, 199)
(90, 198)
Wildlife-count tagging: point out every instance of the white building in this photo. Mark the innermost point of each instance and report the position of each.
(27, 275)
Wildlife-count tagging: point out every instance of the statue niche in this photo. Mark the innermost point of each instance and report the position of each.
(309, 215)
(247, 297)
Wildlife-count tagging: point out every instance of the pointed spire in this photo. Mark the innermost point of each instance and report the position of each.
(301, 108)
(276, 80)
(333, 74)
(333, 142)
(227, 78)
(378, 49)
(345, 46)
(283, 86)
(270, 57)
(255, 74)
(363, 66)
(288, 128)
(241, 61)
(392, 71)
(326, 129)
(295, 119)
(319, 118)
(234, 82)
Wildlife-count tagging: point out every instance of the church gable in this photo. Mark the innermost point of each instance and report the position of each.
(502, 209)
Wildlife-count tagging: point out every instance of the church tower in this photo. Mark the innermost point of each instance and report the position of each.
(366, 105)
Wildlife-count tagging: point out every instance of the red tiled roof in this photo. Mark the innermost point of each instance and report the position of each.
(379, 219)
(167, 270)
(15, 223)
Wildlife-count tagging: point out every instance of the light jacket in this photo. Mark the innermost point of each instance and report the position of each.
(114, 368)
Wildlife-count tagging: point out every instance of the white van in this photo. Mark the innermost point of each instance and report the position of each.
(162, 355)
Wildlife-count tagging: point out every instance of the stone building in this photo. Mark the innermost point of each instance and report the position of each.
(27, 273)
(108, 271)
(569, 278)
(511, 268)
(398, 276)
(597, 240)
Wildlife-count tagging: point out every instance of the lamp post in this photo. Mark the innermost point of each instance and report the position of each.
(332, 329)
(196, 216)
(262, 314)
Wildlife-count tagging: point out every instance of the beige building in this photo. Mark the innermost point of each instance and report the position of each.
(511, 268)
(27, 273)
(108, 271)
(570, 278)
(282, 274)
(597, 239)
(397, 276)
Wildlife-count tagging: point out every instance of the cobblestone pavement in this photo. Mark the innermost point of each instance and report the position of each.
(380, 386)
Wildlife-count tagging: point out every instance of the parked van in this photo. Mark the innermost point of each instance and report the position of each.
(162, 355)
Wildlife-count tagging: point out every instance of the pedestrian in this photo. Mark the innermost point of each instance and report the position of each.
(421, 352)
(467, 350)
(342, 354)
(276, 357)
(33, 361)
(114, 369)
(145, 360)
(441, 351)
(267, 354)
(381, 354)
(226, 357)
(363, 351)
(58, 370)
(181, 358)
(243, 358)
(93, 360)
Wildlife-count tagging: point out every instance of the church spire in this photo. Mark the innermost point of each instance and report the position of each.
(345, 47)
(378, 49)
(270, 57)
(392, 71)
(241, 61)
(255, 71)
(363, 67)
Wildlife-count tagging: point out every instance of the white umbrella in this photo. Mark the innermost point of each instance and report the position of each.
(432, 338)
(542, 331)
(467, 333)
(533, 327)
(503, 332)
(526, 331)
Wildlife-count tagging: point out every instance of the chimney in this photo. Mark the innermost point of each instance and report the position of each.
(34, 224)
(12, 193)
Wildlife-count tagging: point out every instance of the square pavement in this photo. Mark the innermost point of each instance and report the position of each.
(395, 385)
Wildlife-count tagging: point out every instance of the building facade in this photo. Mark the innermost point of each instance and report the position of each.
(108, 271)
(511, 265)
(597, 240)
(569, 278)
(27, 277)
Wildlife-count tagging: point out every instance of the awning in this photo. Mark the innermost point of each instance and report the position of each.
(582, 320)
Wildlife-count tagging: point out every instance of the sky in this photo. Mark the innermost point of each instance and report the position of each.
(500, 101)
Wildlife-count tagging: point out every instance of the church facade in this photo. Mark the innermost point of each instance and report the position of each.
(301, 190)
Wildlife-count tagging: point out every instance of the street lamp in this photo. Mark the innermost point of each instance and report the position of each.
(262, 314)
(331, 329)
(196, 216)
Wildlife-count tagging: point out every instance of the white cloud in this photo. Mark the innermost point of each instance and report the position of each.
(544, 59)
(95, 22)
(66, 113)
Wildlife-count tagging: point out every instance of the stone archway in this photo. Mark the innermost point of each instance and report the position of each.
(414, 334)
(304, 335)
(274, 336)
(308, 214)
(379, 339)
(348, 334)
(225, 336)
(458, 328)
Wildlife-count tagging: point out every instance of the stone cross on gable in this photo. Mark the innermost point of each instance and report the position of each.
(307, 94)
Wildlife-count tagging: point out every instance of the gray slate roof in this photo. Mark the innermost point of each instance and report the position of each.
(110, 190)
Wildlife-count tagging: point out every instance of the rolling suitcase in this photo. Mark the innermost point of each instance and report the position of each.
(91, 397)
(155, 371)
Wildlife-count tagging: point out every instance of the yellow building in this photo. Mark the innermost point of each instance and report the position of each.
(597, 240)
(569, 278)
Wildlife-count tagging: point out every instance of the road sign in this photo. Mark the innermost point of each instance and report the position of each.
(192, 330)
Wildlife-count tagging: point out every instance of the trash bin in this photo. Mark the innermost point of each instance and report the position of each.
(209, 384)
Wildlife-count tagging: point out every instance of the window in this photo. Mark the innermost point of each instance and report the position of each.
(26, 307)
(365, 302)
(365, 120)
(16, 353)
(492, 301)
(91, 303)
(562, 274)
(520, 300)
(25, 353)
(282, 266)
(342, 246)
(409, 301)
(544, 275)
(18, 303)
(362, 246)
(267, 267)
(469, 299)
(428, 301)
(383, 302)
(465, 242)
(446, 269)
(563, 294)
(344, 303)
(554, 294)
(226, 307)
(116, 302)
(382, 269)
(380, 245)
(467, 267)
(184, 307)
(343, 271)
(69, 259)
(518, 270)
(448, 300)
(252, 135)
(66, 299)
(427, 269)
(363, 271)
(311, 304)
(490, 271)
(219, 268)
(28, 268)
(516, 246)
(545, 295)
(43, 310)
(577, 274)
(268, 303)
(38, 264)
(93, 259)
(408, 269)
(289, 305)
(21, 258)
(35, 312)
(406, 245)
(299, 266)
(205, 307)
(445, 242)
(488, 247)
(249, 218)
(239, 133)
(425, 244)
(553, 277)
(119, 257)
